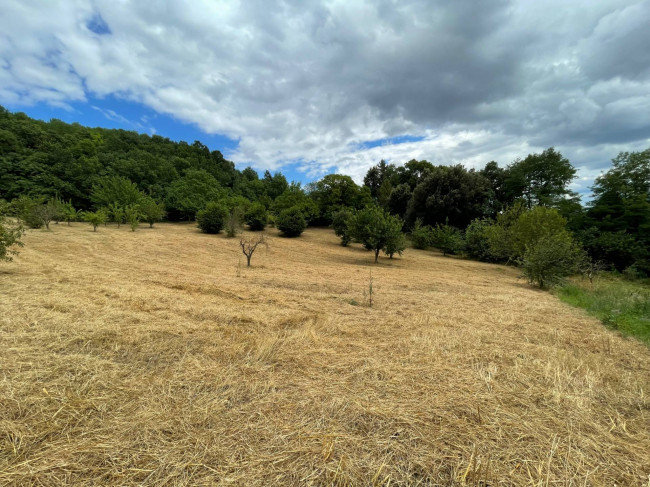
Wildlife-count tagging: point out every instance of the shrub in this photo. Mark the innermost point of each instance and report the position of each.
(116, 213)
(95, 218)
(256, 217)
(477, 241)
(132, 215)
(341, 223)
(26, 209)
(395, 240)
(421, 235)
(377, 230)
(291, 222)
(447, 238)
(550, 259)
(212, 218)
(10, 234)
(150, 211)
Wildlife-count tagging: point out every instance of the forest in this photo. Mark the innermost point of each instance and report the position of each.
(521, 213)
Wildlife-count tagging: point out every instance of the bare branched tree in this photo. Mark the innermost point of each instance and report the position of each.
(249, 244)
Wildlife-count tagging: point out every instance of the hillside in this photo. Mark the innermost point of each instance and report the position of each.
(151, 358)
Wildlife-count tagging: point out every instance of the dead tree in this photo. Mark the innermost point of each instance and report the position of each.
(249, 244)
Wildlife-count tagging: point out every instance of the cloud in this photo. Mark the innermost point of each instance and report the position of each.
(320, 82)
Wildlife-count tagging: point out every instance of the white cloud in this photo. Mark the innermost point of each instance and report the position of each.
(310, 82)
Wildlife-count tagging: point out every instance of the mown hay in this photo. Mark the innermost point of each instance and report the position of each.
(152, 358)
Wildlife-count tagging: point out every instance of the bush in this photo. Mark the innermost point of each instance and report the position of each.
(256, 217)
(421, 235)
(377, 230)
(341, 223)
(291, 222)
(132, 215)
(212, 218)
(27, 210)
(95, 218)
(395, 241)
(551, 258)
(150, 211)
(477, 241)
(447, 238)
(9, 235)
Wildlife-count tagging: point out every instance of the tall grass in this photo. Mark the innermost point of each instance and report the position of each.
(619, 304)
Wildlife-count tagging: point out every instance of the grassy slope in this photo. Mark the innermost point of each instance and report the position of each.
(146, 358)
(619, 304)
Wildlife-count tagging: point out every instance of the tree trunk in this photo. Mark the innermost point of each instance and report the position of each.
(376, 255)
(248, 260)
(150, 225)
(94, 228)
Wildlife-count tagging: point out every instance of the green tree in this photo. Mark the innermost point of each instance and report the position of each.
(341, 225)
(449, 193)
(256, 217)
(95, 218)
(212, 218)
(151, 211)
(421, 235)
(395, 240)
(115, 190)
(116, 213)
(132, 216)
(291, 222)
(551, 258)
(334, 192)
(70, 214)
(477, 242)
(541, 179)
(619, 213)
(447, 238)
(187, 195)
(10, 234)
(375, 229)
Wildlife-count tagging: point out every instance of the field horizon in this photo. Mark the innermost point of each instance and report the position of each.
(157, 357)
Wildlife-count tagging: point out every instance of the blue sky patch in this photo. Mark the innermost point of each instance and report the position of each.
(98, 25)
(400, 139)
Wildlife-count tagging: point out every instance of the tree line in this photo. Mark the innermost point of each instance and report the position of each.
(522, 213)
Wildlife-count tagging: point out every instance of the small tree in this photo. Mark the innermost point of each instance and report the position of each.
(132, 215)
(291, 222)
(421, 235)
(376, 230)
(48, 212)
(95, 218)
(150, 211)
(28, 210)
(256, 217)
(116, 213)
(395, 240)
(249, 244)
(211, 219)
(477, 243)
(551, 258)
(10, 234)
(341, 223)
(70, 214)
(233, 221)
(447, 238)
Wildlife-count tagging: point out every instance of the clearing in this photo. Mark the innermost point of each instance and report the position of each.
(150, 358)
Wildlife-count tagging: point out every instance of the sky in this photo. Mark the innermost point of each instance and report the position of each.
(311, 88)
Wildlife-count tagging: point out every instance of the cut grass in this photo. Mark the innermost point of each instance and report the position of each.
(145, 358)
(619, 304)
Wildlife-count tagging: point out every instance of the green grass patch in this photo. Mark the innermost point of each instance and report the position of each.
(619, 304)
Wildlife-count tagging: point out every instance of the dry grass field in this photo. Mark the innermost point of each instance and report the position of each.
(148, 358)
